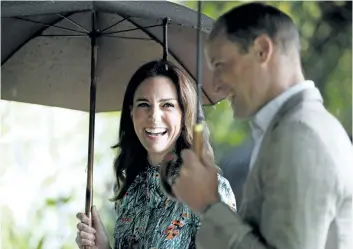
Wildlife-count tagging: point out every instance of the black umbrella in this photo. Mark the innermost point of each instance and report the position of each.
(46, 49)
(57, 53)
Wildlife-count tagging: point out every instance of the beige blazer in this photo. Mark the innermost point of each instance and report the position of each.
(298, 194)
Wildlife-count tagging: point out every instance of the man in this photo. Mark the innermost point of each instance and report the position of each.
(298, 193)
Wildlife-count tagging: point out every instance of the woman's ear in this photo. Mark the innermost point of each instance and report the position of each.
(130, 111)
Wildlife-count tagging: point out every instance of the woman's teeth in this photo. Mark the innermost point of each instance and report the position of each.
(156, 131)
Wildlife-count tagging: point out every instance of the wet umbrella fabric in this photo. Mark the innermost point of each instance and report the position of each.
(46, 49)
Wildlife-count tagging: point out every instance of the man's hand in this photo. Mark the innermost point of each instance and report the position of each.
(197, 184)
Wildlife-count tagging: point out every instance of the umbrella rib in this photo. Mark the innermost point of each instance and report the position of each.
(111, 26)
(61, 35)
(128, 37)
(175, 57)
(127, 30)
(73, 22)
(49, 25)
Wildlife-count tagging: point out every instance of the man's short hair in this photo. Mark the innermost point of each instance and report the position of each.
(243, 24)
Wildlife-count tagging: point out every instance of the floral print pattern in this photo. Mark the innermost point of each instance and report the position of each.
(147, 219)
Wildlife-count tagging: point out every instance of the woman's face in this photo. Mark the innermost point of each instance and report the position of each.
(157, 116)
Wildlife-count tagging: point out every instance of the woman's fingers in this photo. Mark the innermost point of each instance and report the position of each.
(86, 236)
(80, 241)
(85, 223)
(85, 239)
(84, 228)
(83, 218)
(96, 219)
(91, 232)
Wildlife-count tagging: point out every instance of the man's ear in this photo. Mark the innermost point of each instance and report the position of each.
(263, 46)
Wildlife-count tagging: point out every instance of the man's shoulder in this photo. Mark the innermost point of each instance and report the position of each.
(312, 117)
(309, 131)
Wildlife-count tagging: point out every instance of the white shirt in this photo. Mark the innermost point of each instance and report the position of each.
(262, 119)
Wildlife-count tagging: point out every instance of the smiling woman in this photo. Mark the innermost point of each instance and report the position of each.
(157, 117)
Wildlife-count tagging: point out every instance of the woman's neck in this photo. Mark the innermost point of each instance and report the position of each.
(156, 159)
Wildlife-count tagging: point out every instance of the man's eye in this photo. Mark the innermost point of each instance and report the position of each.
(218, 64)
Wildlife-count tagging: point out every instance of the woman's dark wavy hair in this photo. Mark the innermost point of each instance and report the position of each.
(132, 156)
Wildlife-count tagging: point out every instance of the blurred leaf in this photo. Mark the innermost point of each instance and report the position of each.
(313, 9)
(51, 202)
(40, 244)
(57, 201)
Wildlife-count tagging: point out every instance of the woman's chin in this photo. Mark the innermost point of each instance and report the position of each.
(159, 150)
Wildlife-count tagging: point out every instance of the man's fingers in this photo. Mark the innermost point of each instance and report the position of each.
(205, 159)
(190, 157)
(85, 228)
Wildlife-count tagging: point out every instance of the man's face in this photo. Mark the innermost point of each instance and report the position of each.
(238, 74)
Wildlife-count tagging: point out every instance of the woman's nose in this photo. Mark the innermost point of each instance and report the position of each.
(155, 114)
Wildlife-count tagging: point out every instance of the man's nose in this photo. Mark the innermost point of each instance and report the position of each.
(218, 86)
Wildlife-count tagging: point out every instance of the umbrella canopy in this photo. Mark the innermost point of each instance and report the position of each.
(46, 49)
(81, 55)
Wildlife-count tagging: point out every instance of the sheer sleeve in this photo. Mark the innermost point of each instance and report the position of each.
(226, 193)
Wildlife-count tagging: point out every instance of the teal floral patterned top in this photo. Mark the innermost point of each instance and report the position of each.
(147, 219)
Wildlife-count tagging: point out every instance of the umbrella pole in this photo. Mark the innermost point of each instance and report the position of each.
(92, 110)
(165, 38)
(197, 142)
(198, 128)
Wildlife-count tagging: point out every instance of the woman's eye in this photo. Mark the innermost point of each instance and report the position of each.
(168, 105)
(142, 105)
